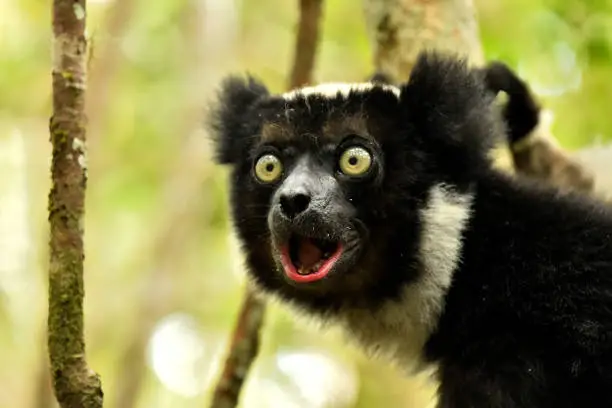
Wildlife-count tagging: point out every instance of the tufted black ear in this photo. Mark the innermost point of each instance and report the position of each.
(522, 111)
(451, 112)
(231, 121)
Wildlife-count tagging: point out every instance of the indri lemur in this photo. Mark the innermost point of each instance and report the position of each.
(376, 208)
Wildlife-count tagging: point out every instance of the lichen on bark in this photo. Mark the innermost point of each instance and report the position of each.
(74, 384)
(400, 29)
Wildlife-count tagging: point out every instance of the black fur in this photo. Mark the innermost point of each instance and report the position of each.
(522, 112)
(229, 121)
(527, 321)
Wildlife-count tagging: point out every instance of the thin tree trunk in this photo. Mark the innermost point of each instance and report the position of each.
(243, 349)
(244, 346)
(306, 43)
(74, 383)
(400, 29)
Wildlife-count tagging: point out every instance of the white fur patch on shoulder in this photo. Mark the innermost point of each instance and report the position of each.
(399, 330)
(332, 89)
(443, 223)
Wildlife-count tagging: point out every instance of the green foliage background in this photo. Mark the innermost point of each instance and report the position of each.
(157, 94)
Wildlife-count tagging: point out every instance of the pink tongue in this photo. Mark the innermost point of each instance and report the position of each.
(308, 254)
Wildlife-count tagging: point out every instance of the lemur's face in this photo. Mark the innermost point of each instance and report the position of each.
(328, 182)
(309, 194)
(315, 230)
(316, 184)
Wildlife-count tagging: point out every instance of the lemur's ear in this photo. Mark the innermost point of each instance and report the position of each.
(230, 120)
(452, 112)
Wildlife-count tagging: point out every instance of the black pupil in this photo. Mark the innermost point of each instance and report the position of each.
(352, 160)
(269, 167)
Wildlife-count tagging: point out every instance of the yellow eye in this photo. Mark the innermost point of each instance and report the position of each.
(355, 161)
(268, 168)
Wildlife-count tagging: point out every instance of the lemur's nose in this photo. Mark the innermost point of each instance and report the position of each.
(293, 203)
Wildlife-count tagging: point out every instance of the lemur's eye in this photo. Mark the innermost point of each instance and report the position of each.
(355, 161)
(268, 168)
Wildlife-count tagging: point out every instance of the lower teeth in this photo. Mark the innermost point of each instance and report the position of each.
(307, 271)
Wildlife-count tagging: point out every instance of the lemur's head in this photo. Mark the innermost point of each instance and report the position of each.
(330, 184)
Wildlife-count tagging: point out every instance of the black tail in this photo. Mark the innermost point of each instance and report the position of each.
(521, 112)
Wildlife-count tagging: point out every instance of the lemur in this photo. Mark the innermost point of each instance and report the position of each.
(376, 208)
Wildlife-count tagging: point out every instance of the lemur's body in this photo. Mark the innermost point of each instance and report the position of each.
(376, 208)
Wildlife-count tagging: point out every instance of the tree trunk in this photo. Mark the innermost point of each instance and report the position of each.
(243, 349)
(75, 385)
(306, 43)
(400, 29)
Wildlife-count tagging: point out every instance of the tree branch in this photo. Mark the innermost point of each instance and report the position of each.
(75, 385)
(306, 43)
(540, 156)
(244, 347)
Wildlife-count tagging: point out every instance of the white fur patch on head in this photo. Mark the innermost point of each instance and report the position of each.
(399, 330)
(332, 89)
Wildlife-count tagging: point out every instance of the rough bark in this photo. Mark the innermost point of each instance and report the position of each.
(399, 29)
(74, 383)
(244, 346)
(306, 43)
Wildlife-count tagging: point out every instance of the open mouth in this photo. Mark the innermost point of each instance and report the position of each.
(308, 259)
